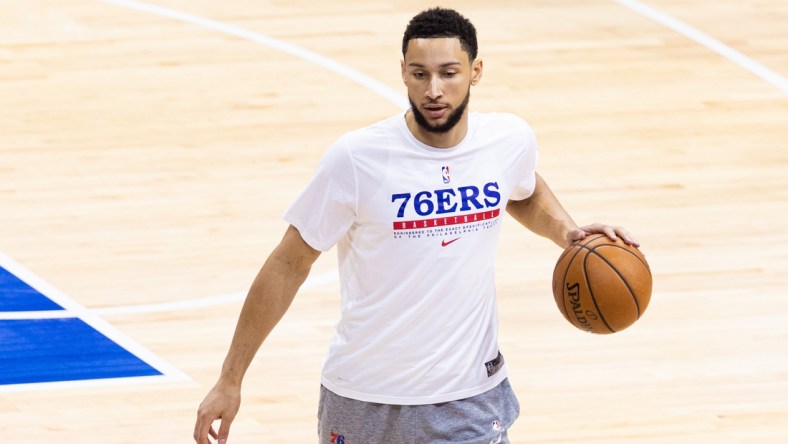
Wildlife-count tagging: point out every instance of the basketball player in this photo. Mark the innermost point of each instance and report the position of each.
(413, 204)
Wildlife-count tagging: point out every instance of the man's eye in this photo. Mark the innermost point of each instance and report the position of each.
(418, 75)
(449, 74)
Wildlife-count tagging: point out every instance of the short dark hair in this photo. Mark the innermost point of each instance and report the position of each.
(441, 22)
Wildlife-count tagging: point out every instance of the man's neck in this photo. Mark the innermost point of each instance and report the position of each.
(448, 139)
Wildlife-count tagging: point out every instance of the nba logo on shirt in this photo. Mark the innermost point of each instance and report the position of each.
(445, 173)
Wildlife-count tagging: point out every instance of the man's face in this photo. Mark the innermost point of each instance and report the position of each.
(438, 75)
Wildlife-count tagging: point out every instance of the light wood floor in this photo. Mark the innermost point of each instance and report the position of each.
(146, 160)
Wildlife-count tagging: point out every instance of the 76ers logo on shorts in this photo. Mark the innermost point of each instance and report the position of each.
(445, 174)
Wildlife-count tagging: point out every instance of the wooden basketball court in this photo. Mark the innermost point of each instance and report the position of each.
(148, 151)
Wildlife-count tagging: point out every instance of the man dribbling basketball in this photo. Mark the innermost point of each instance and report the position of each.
(413, 204)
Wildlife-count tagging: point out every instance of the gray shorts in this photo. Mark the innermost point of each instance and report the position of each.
(481, 419)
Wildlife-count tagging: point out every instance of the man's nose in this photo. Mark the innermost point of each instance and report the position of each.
(434, 90)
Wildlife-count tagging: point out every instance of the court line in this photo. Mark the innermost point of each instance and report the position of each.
(38, 314)
(311, 282)
(88, 383)
(709, 42)
(332, 65)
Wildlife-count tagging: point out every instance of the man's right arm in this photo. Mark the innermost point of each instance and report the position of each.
(271, 294)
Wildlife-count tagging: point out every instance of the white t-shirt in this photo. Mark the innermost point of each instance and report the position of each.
(416, 230)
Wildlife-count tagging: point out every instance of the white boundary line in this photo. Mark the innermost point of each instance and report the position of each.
(332, 65)
(709, 42)
(72, 309)
(311, 282)
(89, 383)
(41, 314)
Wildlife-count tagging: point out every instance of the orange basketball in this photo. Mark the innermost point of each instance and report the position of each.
(602, 286)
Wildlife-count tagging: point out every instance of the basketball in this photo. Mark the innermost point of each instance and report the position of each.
(602, 286)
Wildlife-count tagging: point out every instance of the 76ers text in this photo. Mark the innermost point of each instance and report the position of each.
(447, 200)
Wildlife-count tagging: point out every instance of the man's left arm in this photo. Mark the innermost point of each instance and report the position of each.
(543, 214)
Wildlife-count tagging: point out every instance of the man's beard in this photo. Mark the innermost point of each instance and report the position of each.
(451, 122)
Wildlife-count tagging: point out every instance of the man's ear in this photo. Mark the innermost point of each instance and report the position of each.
(477, 69)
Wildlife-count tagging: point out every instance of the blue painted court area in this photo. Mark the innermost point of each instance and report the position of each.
(49, 350)
(54, 348)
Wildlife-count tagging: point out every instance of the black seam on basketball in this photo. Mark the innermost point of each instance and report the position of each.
(631, 293)
(583, 243)
(592, 249)
(591, 291)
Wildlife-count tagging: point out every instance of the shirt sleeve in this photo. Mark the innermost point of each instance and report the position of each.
(326, 209)
(524, 172)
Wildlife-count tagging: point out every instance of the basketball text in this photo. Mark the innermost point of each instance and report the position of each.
(573, 291)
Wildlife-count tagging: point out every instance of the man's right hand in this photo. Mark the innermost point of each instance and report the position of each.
(221, 403)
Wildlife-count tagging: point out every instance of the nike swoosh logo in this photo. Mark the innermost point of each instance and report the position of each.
(444, 243)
